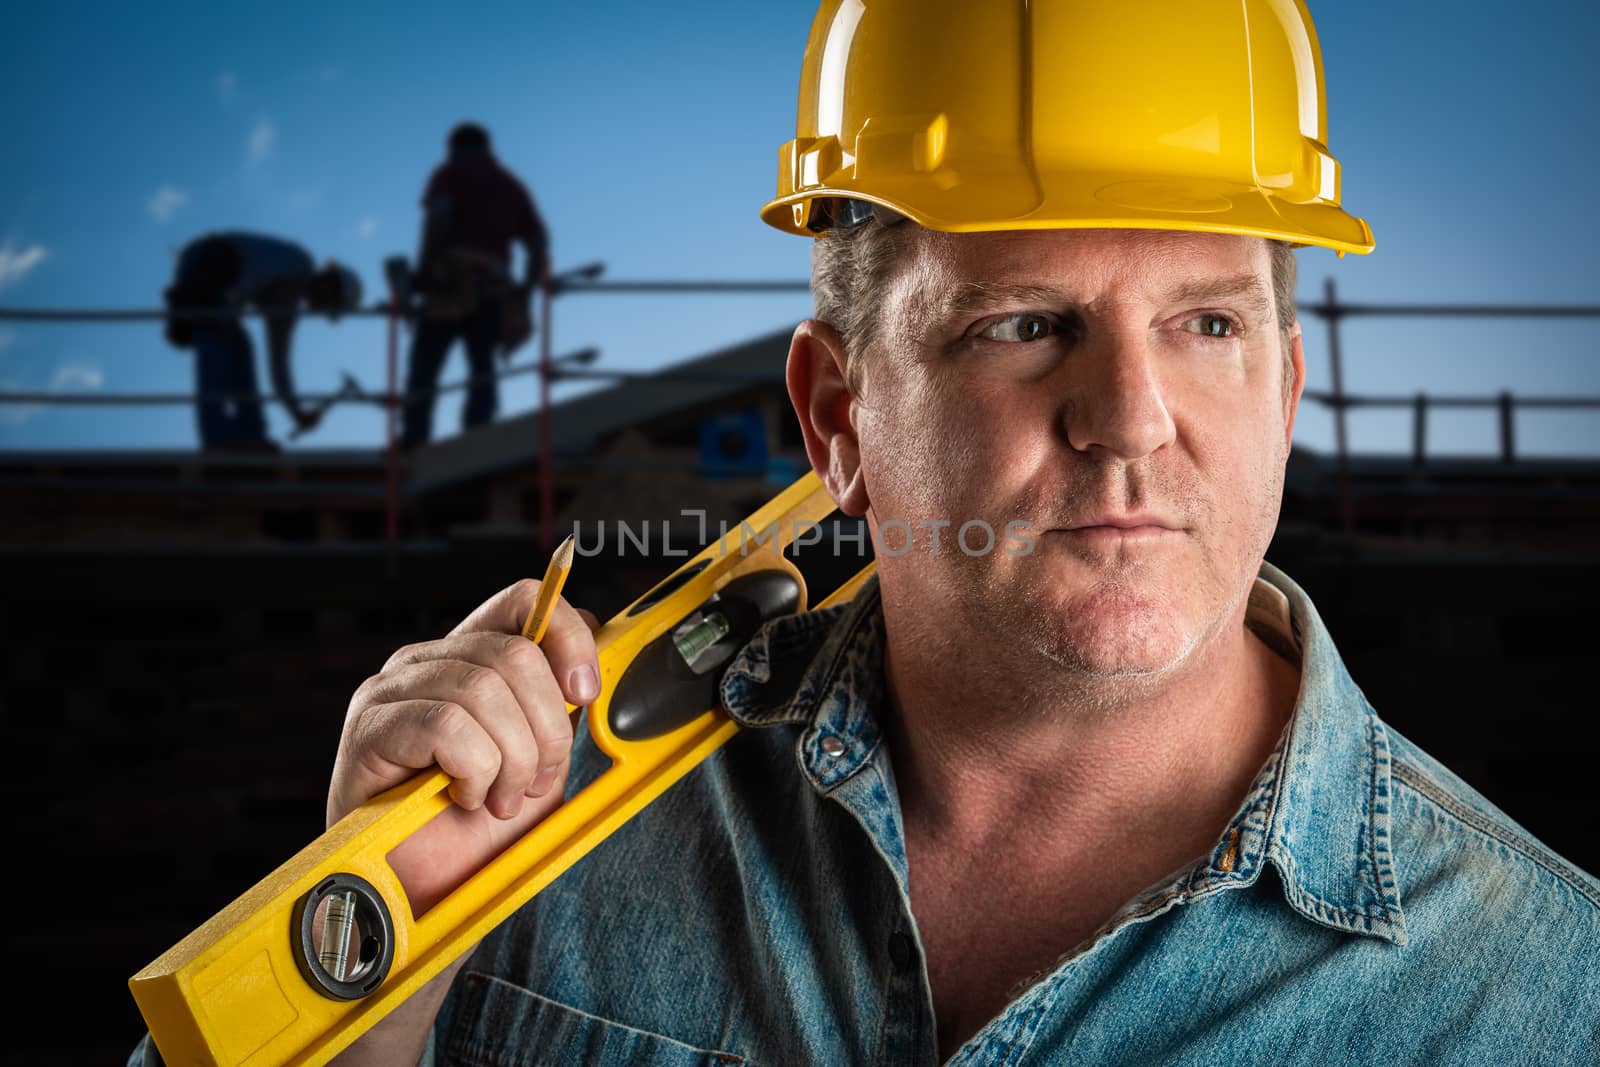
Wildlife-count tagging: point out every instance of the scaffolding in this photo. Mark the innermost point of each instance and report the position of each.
(574, 366)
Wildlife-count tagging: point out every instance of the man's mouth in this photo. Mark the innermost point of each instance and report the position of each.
(1113, 529)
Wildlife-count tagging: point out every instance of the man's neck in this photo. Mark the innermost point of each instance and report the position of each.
(978, 752)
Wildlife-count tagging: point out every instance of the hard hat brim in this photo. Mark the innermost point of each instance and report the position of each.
(1196, 206)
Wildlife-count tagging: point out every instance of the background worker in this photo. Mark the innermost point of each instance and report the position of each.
(474, 209)
(231, 273)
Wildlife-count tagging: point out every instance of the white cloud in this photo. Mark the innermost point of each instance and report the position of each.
(15, 263)
(262, 140)
(367, 227)
(227, 84)
(68, 377)
(71, 376)
(166, 202)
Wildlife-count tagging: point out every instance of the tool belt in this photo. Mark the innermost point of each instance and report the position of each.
(460, 280)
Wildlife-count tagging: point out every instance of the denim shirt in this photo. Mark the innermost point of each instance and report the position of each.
(1363, 906)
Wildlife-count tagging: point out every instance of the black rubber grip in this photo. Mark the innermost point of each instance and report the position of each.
(659, 692)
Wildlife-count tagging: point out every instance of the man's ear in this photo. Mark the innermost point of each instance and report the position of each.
(1292, 391)
(821, 396)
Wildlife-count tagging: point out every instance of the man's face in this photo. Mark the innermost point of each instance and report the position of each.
(1122, 393)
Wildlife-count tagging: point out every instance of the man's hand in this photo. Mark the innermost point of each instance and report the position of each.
(489, 707)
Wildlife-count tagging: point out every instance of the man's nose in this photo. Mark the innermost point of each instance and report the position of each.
(1114, 401)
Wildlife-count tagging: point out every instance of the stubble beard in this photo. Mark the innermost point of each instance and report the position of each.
(1104, 626)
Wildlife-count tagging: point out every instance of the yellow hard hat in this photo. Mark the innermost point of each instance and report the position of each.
(971, 115)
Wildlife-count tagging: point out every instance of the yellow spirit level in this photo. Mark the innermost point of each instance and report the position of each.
(326, 945)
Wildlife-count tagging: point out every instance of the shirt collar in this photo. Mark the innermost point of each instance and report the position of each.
(823, 670)
(1326, 812)
(1318, 810)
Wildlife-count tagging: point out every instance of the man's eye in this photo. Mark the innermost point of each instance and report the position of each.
(1211, 326)
(1023, 327)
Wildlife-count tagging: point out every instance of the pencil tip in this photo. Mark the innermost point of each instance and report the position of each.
(563, 555)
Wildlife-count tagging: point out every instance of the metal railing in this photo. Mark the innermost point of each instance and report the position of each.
(1331, 311)
(548, 367)
(1504, 403)
(586, 279)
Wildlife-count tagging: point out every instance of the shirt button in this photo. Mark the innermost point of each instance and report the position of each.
(900, 949)
(832, 746)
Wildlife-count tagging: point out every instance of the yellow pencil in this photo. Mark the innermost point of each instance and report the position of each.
(555, 576)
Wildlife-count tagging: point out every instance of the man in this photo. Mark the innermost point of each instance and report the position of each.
(1108, 797)
(474, 210)
(220, 276)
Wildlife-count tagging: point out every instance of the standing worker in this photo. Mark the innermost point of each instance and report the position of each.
(474, 209)
(221, 275)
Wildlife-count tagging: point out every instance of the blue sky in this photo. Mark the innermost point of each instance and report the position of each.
(648, 133)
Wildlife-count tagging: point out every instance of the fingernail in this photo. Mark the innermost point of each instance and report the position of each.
(584, 683)
(543, 781)
(513, 805)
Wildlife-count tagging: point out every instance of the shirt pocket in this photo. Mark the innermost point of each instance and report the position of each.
(498, 1024)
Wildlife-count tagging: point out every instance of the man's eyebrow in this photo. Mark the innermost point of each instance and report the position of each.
(970, 297)
(1246, 290)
